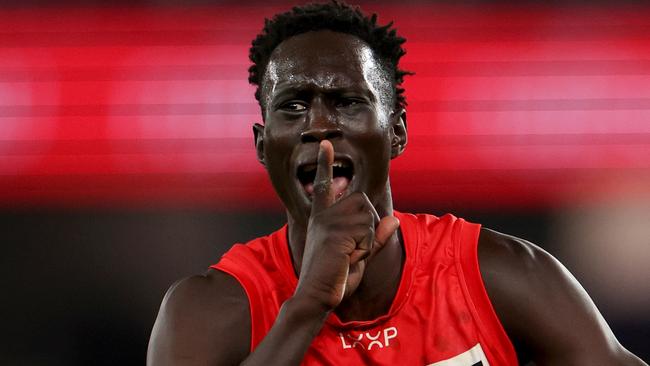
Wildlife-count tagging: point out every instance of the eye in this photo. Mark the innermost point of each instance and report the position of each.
(293, 106)
(348, 102)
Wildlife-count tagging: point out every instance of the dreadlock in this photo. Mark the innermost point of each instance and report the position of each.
(336, 16)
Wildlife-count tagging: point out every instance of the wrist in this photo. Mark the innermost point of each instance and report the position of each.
(301, 311)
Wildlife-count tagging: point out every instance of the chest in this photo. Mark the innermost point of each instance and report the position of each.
(433, 324)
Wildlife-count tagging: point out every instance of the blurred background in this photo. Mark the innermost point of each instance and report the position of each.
(127, 161)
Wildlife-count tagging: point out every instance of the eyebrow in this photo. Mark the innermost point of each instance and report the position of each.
(300, 89)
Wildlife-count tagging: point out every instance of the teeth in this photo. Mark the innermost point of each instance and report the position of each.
(340, 164)
(336, 164)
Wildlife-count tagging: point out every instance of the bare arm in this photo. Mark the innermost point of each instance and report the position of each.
(203, 320)
(545, 311)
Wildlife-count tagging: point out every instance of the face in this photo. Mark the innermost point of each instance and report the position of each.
(327, 85)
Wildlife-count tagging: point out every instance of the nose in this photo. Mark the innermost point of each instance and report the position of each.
(320, 134)
(322, 125)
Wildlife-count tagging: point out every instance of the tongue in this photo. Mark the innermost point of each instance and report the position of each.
(338, 187)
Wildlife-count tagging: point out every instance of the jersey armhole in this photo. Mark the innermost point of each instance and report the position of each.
(226, 266)
(490, 327)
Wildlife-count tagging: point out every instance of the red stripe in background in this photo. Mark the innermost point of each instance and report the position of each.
(425, 91)
(511, 105)
(433, 124)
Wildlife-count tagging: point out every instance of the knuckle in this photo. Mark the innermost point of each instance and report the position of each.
(369, 217)
(358, 199)
(321, 186)
(363, 232)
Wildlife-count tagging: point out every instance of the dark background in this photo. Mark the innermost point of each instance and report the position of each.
(126, 158)
(85, 285)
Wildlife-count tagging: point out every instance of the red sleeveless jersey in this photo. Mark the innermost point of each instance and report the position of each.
(441, 314)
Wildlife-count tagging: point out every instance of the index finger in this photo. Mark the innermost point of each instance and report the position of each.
(323, 196)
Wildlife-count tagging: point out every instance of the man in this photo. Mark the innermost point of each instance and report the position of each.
(348, 280)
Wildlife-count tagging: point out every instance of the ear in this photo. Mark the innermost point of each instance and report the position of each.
(258, 133)
(398, 136)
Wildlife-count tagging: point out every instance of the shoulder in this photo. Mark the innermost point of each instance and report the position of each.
(545, 311)
(202, 319)
(500, 254)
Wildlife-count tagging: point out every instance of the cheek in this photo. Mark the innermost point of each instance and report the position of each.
(283, 138)
(375, 145)
(276, 157)
(366, 120)
(278, 149)
(367, 133)
(370, 136)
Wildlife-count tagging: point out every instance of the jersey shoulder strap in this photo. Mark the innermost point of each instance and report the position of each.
(256, 267)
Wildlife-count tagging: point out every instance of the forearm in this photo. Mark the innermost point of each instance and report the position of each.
(294, 329)
(626, 359)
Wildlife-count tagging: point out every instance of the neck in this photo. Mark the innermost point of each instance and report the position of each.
(381, 279)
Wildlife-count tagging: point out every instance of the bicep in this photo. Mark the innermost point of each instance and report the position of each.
(543, 307)
(203, 320)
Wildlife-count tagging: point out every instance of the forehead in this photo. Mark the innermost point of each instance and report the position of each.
(323, 59)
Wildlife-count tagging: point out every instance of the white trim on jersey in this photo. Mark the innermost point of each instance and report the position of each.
(471, 357)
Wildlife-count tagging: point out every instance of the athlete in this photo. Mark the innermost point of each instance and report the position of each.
(348, 280)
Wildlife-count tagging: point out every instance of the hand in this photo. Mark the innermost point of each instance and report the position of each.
(342, 236)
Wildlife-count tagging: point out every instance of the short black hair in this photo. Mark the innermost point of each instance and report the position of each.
(336, 16)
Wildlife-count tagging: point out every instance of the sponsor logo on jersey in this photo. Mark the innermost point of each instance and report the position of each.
(368, 340)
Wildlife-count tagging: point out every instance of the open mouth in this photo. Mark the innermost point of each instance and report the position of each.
(342, 173)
